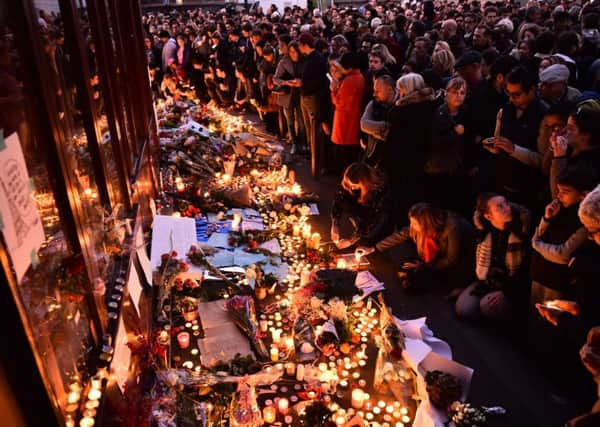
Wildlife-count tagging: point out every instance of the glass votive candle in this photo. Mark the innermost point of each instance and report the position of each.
(183, 338)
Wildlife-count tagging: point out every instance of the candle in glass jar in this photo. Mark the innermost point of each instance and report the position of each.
(289, 343)
(296, 230)
(290, 368)
(358, 398)
(269, 414)
(73, 397)
(305, 277)
(235, 224)
(274, 354)
(183, 338)
(276, 335)
(300, 372)
(264, 324)
(315, 240)
(283, 405)
(341, 263)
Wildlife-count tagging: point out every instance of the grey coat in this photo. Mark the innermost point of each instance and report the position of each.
(284, 67)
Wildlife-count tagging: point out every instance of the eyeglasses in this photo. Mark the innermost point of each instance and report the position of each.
(513, 95)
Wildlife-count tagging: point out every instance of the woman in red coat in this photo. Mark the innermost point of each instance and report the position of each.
(347, 98)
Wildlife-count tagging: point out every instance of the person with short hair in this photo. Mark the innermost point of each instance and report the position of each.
(374, 119)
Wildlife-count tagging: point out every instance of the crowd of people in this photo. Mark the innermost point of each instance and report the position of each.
(467, 130)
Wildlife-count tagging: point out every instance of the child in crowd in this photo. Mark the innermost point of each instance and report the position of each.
(558, 234)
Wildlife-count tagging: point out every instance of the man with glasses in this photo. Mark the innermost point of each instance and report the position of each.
(519, 123)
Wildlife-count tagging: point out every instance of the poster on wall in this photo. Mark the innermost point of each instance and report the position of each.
(20, 223)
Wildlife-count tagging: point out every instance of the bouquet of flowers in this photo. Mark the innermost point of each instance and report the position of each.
(465, 415)
(443, 389)
(244, 408)
(241, 309)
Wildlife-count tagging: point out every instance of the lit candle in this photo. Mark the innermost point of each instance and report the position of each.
(73, 397)
(283, 405)
(381, 404)
(358, 398)
(290, 368)
(269, 414)
(296, 230)
(274, 354)
(368, 405)
(183, 338)
(315, 240)
(96, 382)
(341, 263)
(311, 394)
(377, 410)
(406, 419)
(305, 277)
(289, 343)
(235, 224)
(340, 420)
(276, 335)
(300, 372)
(94, 394)
(362, 363)
(322, 367)
(86, 422)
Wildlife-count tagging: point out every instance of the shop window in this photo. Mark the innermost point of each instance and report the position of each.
(52, 287)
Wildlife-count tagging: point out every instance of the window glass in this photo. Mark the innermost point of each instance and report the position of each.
(52, 293)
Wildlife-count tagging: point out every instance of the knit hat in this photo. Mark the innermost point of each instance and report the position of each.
(555, 73)
(507, 24)
(375, 22)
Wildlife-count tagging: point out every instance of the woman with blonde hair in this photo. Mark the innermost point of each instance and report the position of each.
(441, 45)
(364, 198)
(440, 73)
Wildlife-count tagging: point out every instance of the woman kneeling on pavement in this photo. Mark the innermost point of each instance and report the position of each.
(365, 198)
(444, 244)
(500, 258)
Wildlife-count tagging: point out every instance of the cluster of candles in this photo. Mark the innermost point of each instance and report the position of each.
(91, 404)
(184, 339)
(392, 414)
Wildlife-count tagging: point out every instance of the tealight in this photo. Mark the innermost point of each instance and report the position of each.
(377, 410)
(405, 419)
(283, 405)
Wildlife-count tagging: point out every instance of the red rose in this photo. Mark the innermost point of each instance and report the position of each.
(173, 254)
(252, 244)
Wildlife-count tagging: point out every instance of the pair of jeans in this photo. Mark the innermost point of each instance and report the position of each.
(295, 122)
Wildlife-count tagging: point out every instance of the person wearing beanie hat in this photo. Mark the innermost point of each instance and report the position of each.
(505, 24)
(554, 86)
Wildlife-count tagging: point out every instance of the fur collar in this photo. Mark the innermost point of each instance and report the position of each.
(421, 95)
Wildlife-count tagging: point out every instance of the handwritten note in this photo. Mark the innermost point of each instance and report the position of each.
(22, 227)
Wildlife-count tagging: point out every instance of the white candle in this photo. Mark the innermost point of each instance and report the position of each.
(315, 240)
(300, 372)
(322, 367)
(73, 397)
(296, 230)
(276, 335)
(86, 422)
(283, 405)
(358, 398)
(235, 224)
(94, 394)
(341, 263)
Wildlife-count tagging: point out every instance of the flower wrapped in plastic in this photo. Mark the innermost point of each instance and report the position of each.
(466, 415)
(241, 310)
(244, 411)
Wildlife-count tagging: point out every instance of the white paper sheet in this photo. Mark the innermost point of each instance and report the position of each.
(280, 270)
(221, 259)
(428, 416)
(145, 264)
(134, 287)
(218, 240)
(249, 225)
(415, 352)
(272, 246)
(21, 225)
(171, 233)
(121, 358)
(463, 373)
(418, 329)
(243, 258)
